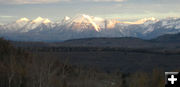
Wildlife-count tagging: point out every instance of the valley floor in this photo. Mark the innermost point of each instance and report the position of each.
(121, 61)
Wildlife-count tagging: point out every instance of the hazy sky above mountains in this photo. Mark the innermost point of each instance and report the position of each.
(125, 10)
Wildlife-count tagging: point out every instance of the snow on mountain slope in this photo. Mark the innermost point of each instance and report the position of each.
(171, 23)
(110, 24)
(22, 20)
(163, 26)
(25, 25)
(82, 22)
(65, 20)
(36, 23)
(83, 26)
(14, 26)
(145, 21)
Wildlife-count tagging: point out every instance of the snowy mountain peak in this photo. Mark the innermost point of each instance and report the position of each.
(86, 18)
(38, 19)
(23, 20)
(83, 26)
(41, 20)
(84, 21)
(82, 18)
(146, 20)
(46, 21)
(142, 21)
(66, 18)
(83, 15)
(151, 18)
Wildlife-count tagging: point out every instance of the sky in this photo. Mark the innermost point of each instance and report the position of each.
(125, 10)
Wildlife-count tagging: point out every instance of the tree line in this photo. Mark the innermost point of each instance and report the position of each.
(20, 68)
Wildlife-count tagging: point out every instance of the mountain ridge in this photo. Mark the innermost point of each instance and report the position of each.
(118, 42)
(85, 26)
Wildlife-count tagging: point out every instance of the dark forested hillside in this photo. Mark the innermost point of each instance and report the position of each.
(166, 41)
(20, 68)
(169, 38)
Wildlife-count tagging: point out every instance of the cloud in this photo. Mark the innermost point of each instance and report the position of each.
(105, 0)
(29, 1)
(50, 1)
(3, 16)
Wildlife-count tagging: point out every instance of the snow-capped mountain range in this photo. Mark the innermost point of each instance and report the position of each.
(85, 26)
